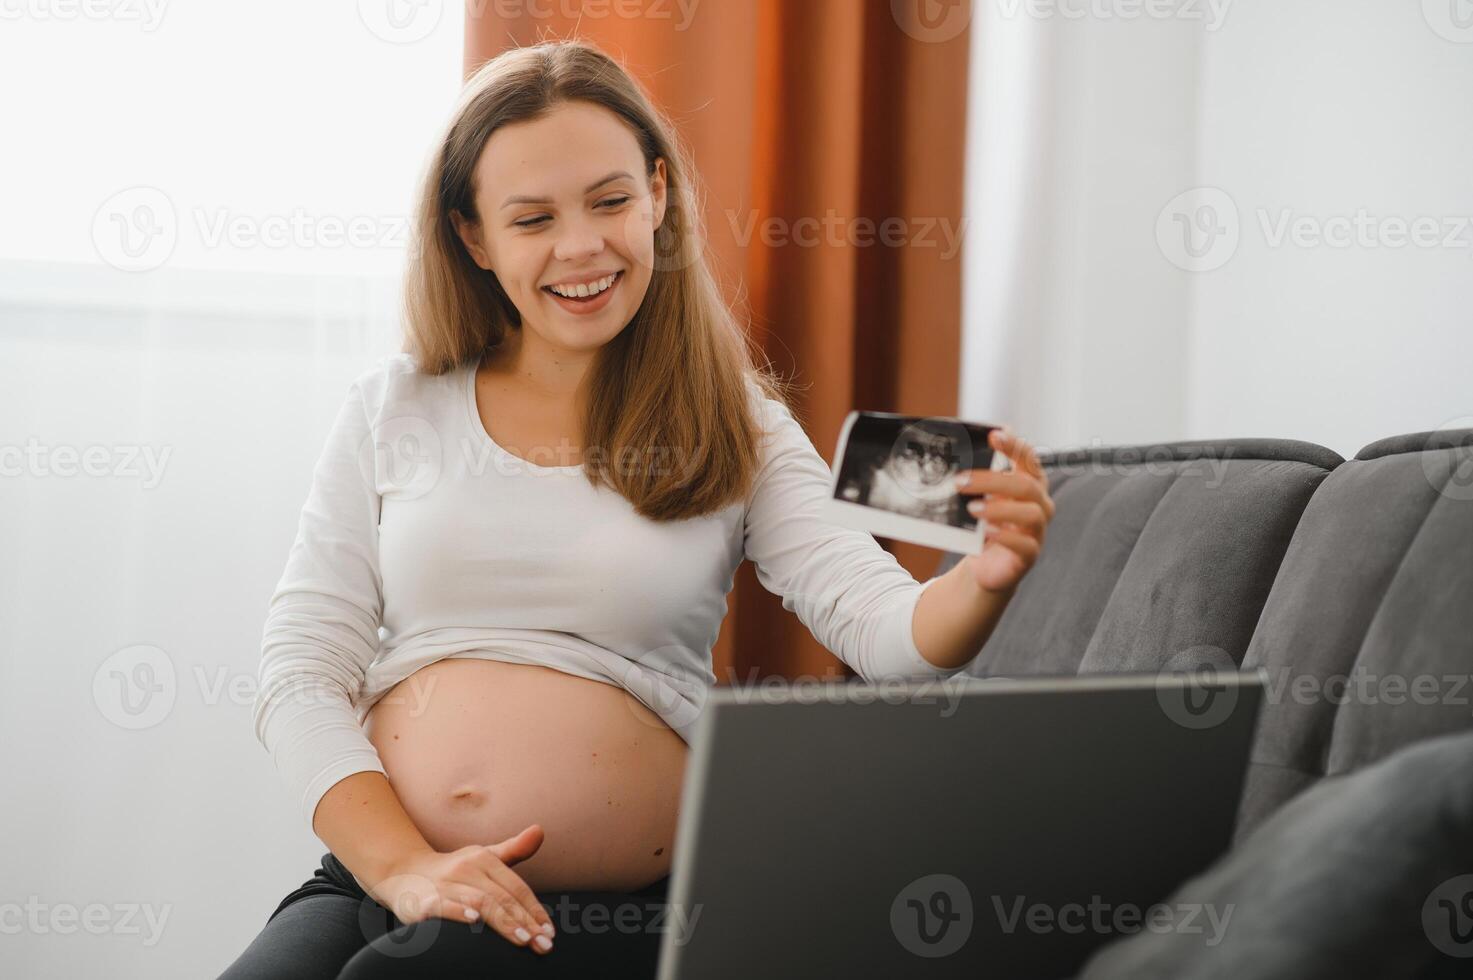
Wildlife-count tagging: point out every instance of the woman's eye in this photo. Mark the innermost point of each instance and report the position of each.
(612, 202)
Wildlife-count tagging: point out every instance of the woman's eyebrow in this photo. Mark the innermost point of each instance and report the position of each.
(523, 199)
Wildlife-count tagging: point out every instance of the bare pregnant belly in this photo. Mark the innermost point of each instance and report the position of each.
(477, 750)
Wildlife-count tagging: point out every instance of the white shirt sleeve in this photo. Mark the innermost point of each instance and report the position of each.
(854, 596)
(321, 629)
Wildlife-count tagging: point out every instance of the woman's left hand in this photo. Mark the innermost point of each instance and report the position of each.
(1015, 507)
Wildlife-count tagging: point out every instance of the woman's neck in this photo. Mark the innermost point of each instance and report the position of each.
(548, 374)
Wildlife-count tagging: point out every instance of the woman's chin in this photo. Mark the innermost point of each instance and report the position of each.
(585, 336)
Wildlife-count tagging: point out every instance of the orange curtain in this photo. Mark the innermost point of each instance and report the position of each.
(829, 138)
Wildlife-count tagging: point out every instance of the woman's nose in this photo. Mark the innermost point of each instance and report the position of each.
(579, 238)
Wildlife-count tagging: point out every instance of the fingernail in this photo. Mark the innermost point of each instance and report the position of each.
(975, 508)
(549, 930)
(470, 915)
(543, 943)
(962, 481)
(523, 935)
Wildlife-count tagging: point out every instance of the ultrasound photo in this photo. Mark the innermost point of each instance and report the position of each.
(893, 476)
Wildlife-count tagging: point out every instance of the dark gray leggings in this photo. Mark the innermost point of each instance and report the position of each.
(328, 929)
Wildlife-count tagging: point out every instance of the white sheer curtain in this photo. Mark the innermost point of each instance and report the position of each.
(1076, 126)
(1086, 320)
(202, 245)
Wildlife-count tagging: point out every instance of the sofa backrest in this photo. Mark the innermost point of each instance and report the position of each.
(1367, 634)
(1349, 583)
(1157, 557)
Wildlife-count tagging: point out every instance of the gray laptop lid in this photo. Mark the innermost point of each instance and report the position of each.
(967, 828)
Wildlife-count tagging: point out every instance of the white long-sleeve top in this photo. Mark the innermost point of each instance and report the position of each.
(421, 539)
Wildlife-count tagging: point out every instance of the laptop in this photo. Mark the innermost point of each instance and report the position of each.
(960, 828)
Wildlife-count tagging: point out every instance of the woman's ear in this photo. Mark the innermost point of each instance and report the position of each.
(470, 235)
(657, 190)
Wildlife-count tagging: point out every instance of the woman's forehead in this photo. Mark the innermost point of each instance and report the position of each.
(562, 154)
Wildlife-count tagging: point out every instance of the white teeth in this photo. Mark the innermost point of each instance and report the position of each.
(585, 289)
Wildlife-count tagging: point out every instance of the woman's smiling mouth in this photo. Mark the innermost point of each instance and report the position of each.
(596, 294)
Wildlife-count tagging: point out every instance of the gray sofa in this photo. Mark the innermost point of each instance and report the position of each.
(1351, 583)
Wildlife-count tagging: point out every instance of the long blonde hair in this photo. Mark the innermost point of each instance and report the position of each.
(676, 379)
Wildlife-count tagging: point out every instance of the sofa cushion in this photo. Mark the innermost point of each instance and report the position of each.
(1367, 635)
(1365, 875)
(1158, 556)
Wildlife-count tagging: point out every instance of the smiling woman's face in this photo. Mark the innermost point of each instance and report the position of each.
(563, 200)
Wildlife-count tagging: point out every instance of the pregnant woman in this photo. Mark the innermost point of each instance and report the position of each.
(484, 660)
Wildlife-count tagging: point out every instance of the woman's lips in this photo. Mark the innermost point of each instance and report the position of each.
(586, 307)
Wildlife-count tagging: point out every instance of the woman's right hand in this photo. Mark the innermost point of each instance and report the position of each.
(474, 882)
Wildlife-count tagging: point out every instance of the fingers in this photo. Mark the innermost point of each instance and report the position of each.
(499, 896)
(1026, 482)
(508, 881)
(507, 916)
(1016, 508)
(1024, 545)
(449, 908)
(516, 849)
(1016, 484)
(463, 903)
(1025, 514)
(1019, 451)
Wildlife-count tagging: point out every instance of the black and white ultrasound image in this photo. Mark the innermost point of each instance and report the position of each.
(907, 465)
